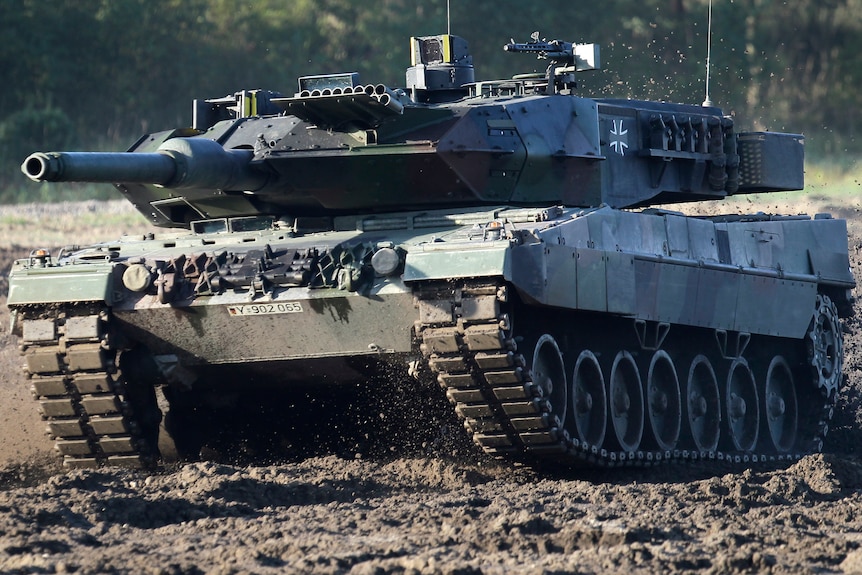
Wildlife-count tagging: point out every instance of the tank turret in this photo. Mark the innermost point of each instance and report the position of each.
(444, 141)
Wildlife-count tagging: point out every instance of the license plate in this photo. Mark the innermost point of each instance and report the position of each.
(264, 308)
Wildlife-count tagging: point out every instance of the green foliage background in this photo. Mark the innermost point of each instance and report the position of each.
(96, 74)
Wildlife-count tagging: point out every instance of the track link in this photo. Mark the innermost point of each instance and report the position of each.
(464, 334)
(72, 369)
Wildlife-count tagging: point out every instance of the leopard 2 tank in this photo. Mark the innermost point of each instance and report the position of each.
(493, 237)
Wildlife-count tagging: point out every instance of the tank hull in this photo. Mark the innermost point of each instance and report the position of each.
(547, 328)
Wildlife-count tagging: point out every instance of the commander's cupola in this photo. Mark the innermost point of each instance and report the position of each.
(441, 66)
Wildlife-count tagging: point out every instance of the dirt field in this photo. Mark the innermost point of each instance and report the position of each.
(448, 512)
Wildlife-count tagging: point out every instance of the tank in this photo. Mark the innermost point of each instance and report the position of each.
(497, 241)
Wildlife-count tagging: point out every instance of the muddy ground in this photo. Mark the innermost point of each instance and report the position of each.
(426, 507)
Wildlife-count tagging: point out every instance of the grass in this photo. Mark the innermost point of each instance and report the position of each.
(25, 191)
(122, 220)
(832, 180)
(10, 221)
(51, 225)
(829, 186)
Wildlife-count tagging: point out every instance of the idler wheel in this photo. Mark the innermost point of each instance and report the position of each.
(702, 404)
(626, 402)
(825, 344)
(588, 399)
(741, 406)
(664, 406)
(780, 409)
(549, 374)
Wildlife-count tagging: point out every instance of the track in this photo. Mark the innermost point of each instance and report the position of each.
(93, 413)
(477, 338)
(634, 397)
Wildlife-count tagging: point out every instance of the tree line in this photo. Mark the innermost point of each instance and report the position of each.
(97, 74)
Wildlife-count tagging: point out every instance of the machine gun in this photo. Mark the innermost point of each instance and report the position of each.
(566, 59)
(582, 56)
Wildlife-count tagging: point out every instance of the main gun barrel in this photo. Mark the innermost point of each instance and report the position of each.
(107, 167)
(179, 163)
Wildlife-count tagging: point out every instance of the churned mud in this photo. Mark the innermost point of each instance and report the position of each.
(427, 508)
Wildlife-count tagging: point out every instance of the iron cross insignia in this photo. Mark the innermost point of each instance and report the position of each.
(619, 138)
